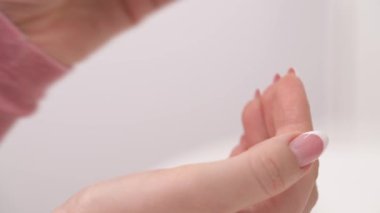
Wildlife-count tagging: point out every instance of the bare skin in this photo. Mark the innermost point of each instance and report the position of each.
(208, 187)
(70, 30)
(283, 108)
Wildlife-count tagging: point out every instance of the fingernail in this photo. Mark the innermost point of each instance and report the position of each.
(257, 94)
(277, 77)
(292, 71)
(308, 147)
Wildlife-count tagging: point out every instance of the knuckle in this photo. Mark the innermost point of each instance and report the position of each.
(266, 171)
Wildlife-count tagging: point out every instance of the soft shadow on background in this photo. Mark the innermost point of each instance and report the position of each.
(172, 90)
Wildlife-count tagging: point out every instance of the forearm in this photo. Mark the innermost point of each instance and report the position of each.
(25, 74)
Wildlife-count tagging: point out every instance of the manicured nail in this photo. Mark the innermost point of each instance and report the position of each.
(257, 94)
(292, 71)
(277, 77)
(308, 147)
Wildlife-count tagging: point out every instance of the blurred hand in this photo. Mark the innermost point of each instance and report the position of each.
(70, 30)
(283, 108)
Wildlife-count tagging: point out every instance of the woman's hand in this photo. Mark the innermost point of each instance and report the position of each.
(226, 186)
(264, 176)
(281, 109)
(69, 30)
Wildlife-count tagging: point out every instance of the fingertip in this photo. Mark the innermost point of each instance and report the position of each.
(276, 78)
(308, 147)
(257, 94)
(292, 71)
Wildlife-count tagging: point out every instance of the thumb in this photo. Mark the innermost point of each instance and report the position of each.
(262, 172)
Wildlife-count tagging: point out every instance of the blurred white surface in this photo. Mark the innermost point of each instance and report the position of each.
(172, 90)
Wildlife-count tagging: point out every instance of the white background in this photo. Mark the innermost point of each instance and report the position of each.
(171, 91)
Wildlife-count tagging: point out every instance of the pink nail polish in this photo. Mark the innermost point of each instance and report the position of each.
(308, 147)
(292, 71)
(277, 77)
(257, 94)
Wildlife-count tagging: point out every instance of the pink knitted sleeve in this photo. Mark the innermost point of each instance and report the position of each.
(25, 74)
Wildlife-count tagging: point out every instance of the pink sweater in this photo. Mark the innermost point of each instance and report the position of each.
(25, 74)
